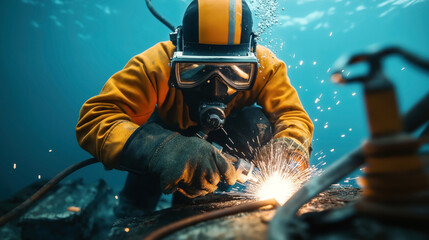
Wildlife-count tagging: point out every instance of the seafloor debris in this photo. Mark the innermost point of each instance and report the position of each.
(97, 202)
(72, 211)
(252, 225)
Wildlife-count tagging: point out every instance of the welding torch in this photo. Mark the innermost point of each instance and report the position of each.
(212, 117)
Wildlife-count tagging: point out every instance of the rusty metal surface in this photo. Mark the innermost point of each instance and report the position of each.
(251, 225)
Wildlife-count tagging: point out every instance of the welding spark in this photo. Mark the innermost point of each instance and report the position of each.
(280, 173)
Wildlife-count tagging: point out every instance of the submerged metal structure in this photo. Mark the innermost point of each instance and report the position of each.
(396, 175)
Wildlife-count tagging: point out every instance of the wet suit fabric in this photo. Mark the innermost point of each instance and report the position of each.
(130, 97)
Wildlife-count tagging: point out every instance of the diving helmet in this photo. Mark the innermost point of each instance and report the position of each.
(215, 57)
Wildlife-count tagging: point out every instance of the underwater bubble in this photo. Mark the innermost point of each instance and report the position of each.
(354, 94)
(266, 14)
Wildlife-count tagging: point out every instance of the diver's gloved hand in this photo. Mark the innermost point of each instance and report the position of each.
(188, 164)
(285, 149)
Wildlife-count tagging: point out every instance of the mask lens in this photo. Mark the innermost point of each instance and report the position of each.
(238, 75)
(190, 74)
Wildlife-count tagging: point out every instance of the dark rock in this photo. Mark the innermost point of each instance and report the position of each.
(52, 217)
(11, 231)
(8, 204)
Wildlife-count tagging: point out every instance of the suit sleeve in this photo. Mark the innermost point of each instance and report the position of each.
(281, 102)
(126, 101)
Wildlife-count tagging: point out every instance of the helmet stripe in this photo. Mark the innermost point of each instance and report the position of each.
(231, 27)
(238, 20)
(213, 22)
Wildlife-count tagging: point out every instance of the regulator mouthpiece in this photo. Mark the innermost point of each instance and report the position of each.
(212, 116)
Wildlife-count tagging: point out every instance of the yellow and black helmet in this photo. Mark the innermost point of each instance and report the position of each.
(210, 24)
(215, 42)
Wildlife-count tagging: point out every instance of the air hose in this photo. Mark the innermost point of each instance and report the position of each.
(175, 226)
(158, 16)
(36, 196)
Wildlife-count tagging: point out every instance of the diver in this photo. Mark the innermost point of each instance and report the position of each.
(157, 117)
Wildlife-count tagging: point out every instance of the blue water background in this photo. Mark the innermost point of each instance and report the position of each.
(57, 54)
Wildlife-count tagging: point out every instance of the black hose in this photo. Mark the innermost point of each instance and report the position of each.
(36, 196)
(175, 226)
(158, 16)
(417, 115)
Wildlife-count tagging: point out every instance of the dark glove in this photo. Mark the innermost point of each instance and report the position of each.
(188, 164)
(284, 149)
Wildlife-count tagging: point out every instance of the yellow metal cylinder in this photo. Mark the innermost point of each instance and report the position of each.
(383, 112)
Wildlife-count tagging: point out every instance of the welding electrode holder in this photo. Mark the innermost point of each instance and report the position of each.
(244, 169)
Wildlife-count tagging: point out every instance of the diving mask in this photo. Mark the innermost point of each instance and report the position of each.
(189, 71)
